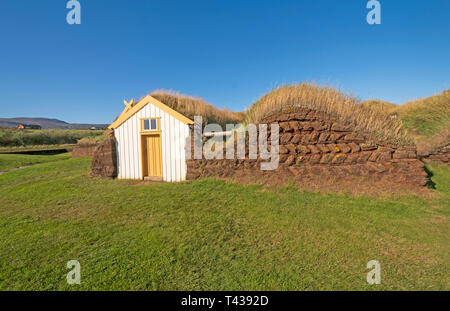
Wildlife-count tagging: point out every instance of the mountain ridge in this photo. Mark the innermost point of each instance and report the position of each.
(47, 123)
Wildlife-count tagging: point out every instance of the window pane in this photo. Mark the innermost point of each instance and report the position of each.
(153, 124)
(146, 125)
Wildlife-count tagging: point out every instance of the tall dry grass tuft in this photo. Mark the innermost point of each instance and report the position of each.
(192, 106)
(379, 106)
(333, 102)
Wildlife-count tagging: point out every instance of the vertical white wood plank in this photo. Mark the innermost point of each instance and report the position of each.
(172, 147)
(137, 149)
(168, 151)
(122, 154)
(180, 150)
(164, 145)
(161, 114)
(143, 113)
(133, 146)
(129, 126)
(139, 145)
(120, 151)
(184, 131)
(177, 150)
(127, 149)
(152, 111)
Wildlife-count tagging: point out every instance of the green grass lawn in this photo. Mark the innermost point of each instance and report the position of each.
(214, 235)
(10, 161)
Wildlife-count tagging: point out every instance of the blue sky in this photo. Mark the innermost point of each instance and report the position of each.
(227, 52)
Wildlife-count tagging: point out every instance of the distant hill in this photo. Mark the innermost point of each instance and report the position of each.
(46, 123)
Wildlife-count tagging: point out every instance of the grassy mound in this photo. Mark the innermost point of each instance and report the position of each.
(192, 106)
(425, 120)
(424, 117)
(329, 100)
(427, 116)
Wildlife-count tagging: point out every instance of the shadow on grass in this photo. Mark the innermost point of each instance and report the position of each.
(430, 184)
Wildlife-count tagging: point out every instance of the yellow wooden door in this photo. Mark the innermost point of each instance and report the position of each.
(152, 166)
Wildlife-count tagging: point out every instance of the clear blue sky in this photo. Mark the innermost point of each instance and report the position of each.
(227, 52)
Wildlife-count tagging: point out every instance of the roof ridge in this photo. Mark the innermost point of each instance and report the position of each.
(128, 112)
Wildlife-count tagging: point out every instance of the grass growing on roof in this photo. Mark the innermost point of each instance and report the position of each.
(331, 101)
(379, 106)
(193, 106)
(427, 116)
(214, 235)
(426, 120)
(423, 117)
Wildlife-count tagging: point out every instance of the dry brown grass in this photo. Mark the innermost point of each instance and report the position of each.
(428, 145)
(379, 106)
(193, 106)
(333, 102)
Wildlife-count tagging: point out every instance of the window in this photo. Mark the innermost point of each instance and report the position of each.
(150, 125)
